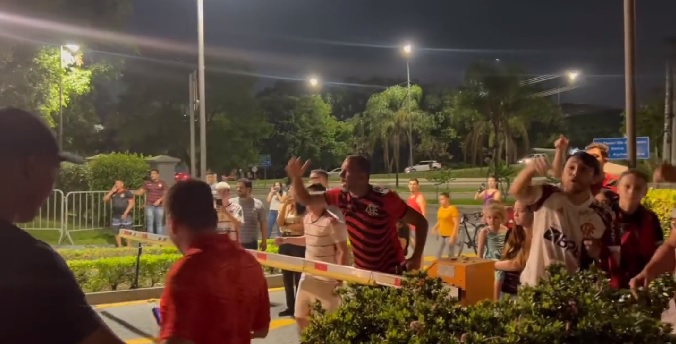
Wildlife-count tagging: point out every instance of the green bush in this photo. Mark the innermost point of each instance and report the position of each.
(105, 169)
(73, 177)
(661, 201)
(101, 269)
(567, 308)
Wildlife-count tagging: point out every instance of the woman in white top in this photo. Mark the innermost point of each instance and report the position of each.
(275, 199)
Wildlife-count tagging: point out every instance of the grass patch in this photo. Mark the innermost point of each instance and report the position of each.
(95, 237)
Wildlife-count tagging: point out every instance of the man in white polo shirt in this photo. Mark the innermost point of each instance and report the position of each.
(325, 240)
(322, 177)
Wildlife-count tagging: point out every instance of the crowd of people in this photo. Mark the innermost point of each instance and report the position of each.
(217, 292)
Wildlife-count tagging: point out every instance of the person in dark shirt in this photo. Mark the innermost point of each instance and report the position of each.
(371, 214)
(122, 204)
(640, 229)
(41, 301)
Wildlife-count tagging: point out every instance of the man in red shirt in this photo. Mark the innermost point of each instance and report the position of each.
(371, 214)
(217, 292)
(609, 182)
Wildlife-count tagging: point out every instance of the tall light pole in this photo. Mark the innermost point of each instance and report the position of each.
(629, 74)
(66, 58)
(202, 100)
(407, 49)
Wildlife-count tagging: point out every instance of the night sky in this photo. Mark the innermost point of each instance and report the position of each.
(336, 39)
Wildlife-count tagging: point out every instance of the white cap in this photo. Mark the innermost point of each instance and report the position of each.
(222, 186)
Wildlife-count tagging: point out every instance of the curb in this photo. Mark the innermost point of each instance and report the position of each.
(106, 297)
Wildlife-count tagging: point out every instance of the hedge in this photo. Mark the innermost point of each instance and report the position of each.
(565, 308)
(661, 201)
(101, 269)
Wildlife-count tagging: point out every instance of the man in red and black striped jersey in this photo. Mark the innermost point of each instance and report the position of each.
(371, 214)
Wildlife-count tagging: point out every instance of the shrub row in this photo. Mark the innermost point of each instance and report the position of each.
(566, 308)
(661, 201)
(102, 269)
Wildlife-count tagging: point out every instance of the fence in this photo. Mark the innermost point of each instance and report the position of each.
(79, 211)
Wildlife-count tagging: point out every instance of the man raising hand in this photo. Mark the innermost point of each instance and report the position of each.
(371, 214)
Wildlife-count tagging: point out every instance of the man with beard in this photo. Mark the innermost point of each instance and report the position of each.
(371, 214)
(569, 227)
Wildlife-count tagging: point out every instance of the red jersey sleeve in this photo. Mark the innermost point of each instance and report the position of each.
(178, 307)
(394, 205)
(332, 195)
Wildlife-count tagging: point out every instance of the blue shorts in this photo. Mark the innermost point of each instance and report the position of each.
(117, 223)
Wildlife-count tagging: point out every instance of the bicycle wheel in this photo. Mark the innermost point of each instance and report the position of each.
(459, 240)
(475, 237)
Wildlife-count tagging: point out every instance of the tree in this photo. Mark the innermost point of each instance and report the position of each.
(152, 116)
(304, 126)
(649, 122)
(31, 72)
(389, 117)
(493, 104)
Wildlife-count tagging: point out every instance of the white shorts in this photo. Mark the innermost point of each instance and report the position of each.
(310, 290)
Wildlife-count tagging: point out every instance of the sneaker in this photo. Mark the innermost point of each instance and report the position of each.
(286, 313)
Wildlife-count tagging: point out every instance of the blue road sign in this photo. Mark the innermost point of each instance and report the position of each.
(617, 147)
(265, 160)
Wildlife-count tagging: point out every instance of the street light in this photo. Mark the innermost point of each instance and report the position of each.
(313, 81)
(201, 92)
(407, 50)
(572, 75)
(67, 57)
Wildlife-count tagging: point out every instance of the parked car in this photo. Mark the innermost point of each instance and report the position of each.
(528, 158)
(425, 165)
(334, 172)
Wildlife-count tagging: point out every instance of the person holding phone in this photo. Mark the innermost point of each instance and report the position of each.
(275, 199)
(230, 215)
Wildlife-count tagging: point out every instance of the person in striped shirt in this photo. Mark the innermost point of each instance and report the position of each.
(371, 215)
(325, 240)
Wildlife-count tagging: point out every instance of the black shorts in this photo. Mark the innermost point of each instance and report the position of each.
(405, 233)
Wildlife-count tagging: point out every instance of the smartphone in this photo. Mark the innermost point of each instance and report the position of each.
(219, 202)
(156, 314)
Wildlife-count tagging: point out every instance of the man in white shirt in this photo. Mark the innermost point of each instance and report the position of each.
(230, 215)
(322, 177)
(570, 227)
(325, 240)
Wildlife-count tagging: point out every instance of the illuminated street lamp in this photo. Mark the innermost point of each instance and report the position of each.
(67, 58)
(407, 50)
(572, 75)
(313, 81)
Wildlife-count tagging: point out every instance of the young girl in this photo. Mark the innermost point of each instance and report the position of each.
(492, 238)
(516, 249)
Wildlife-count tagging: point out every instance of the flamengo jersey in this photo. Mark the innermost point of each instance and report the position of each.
(225, 225)
(371, 224)
(559, 228)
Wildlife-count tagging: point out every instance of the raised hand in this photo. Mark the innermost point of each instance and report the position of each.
(541, 165)
(561, 143)
(295, 168)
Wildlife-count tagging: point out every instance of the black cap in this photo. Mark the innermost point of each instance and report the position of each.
(25, 134)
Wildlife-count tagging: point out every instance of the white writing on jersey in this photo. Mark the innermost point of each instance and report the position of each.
(559, 227)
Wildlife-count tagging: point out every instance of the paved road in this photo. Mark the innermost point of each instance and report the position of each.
(133, 321)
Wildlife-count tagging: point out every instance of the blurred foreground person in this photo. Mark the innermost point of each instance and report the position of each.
(217, 292)
(40, 298)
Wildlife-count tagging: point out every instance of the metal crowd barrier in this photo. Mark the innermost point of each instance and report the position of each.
(79, 211)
